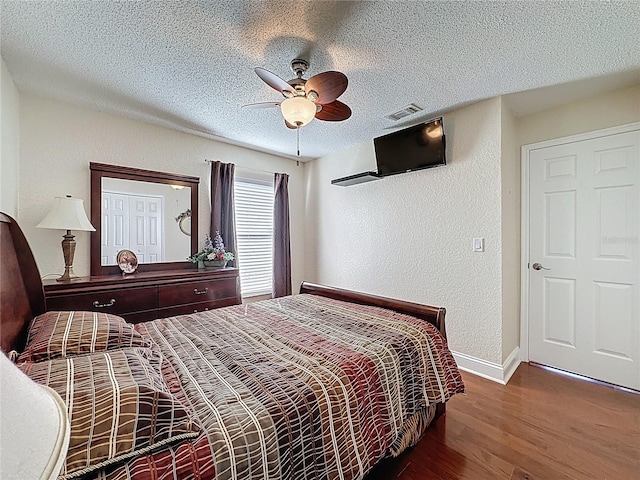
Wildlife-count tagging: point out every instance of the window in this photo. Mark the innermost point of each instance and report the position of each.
(254, 230)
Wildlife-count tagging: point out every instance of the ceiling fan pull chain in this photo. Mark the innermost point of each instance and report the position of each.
(298, 139)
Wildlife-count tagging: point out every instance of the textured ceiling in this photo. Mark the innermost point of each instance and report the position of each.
(188, 65)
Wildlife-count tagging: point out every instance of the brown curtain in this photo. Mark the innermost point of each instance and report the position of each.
(222, 205)
(281, 237)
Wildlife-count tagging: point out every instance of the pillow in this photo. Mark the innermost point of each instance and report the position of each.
(119, 407)
(60, 334)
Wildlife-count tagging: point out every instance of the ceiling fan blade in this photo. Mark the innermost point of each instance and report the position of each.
(328, 86)
(273, 80)
(261, 105)
(334, 112)
(290, 125)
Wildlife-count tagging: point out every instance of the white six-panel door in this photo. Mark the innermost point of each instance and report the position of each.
(584, 236)
(146, 228)
(132, 222)
(115, 226)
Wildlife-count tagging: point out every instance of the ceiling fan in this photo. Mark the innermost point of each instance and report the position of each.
(305, 100)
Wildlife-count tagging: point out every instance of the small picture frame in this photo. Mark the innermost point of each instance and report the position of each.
(127, 261)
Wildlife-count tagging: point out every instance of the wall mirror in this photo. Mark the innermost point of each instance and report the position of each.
(151, 213)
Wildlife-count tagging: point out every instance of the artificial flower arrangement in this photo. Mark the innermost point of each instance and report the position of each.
(212, 250)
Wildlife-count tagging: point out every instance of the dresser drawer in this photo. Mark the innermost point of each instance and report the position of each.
(111, 301)
(148, 295)
(195, 307)
(196, 292)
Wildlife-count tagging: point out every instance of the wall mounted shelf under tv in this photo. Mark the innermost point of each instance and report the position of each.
(357, 178)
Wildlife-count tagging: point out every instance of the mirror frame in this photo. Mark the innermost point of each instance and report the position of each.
(101, 170)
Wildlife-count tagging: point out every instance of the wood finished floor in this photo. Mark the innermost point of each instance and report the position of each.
(541, 426)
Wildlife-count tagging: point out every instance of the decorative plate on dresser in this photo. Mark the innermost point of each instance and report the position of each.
(127, 261)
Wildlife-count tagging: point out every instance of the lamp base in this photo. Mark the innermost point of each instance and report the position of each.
(68, 250)
(67, 276)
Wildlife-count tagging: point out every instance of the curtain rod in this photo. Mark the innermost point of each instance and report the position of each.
(243, 168)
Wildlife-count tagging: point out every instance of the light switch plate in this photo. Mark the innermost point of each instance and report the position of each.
(478, 244)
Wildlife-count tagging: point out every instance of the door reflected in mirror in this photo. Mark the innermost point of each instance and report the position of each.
(150, 219)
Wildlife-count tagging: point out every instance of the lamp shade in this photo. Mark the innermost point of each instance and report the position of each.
(67, 213)
(34, 427)
(298, 111)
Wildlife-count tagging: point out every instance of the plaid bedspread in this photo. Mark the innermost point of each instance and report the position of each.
(301, 387)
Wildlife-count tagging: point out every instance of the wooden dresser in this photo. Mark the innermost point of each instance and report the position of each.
(146, 296)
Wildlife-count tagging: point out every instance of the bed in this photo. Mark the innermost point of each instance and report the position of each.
(318, 385)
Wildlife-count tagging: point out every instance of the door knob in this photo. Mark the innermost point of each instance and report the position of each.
(538, 266)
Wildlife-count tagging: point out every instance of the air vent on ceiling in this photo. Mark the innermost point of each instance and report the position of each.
(404, 112)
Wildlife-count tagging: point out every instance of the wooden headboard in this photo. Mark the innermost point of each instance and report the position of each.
(433, 315)
(21, 292)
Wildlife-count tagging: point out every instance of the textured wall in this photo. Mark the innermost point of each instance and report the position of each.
(58, 141)
(595, 113)
(409, 236)
(510, 178)
(10, 142)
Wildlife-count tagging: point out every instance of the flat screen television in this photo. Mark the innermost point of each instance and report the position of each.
(414, 148)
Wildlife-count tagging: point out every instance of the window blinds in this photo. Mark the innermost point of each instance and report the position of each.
(254, 231)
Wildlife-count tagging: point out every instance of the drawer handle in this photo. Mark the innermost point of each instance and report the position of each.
(110, 303)
(200, 292)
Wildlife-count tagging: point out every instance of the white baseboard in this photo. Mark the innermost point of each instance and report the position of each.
(492, 371)
(510, 364)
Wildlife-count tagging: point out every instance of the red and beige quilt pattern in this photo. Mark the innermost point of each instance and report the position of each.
(300, 387)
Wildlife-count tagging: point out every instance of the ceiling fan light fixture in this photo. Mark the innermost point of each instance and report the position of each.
(298, 111)
(305, 100)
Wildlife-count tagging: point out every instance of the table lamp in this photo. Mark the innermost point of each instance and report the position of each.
(34, 427)
(67, 213)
